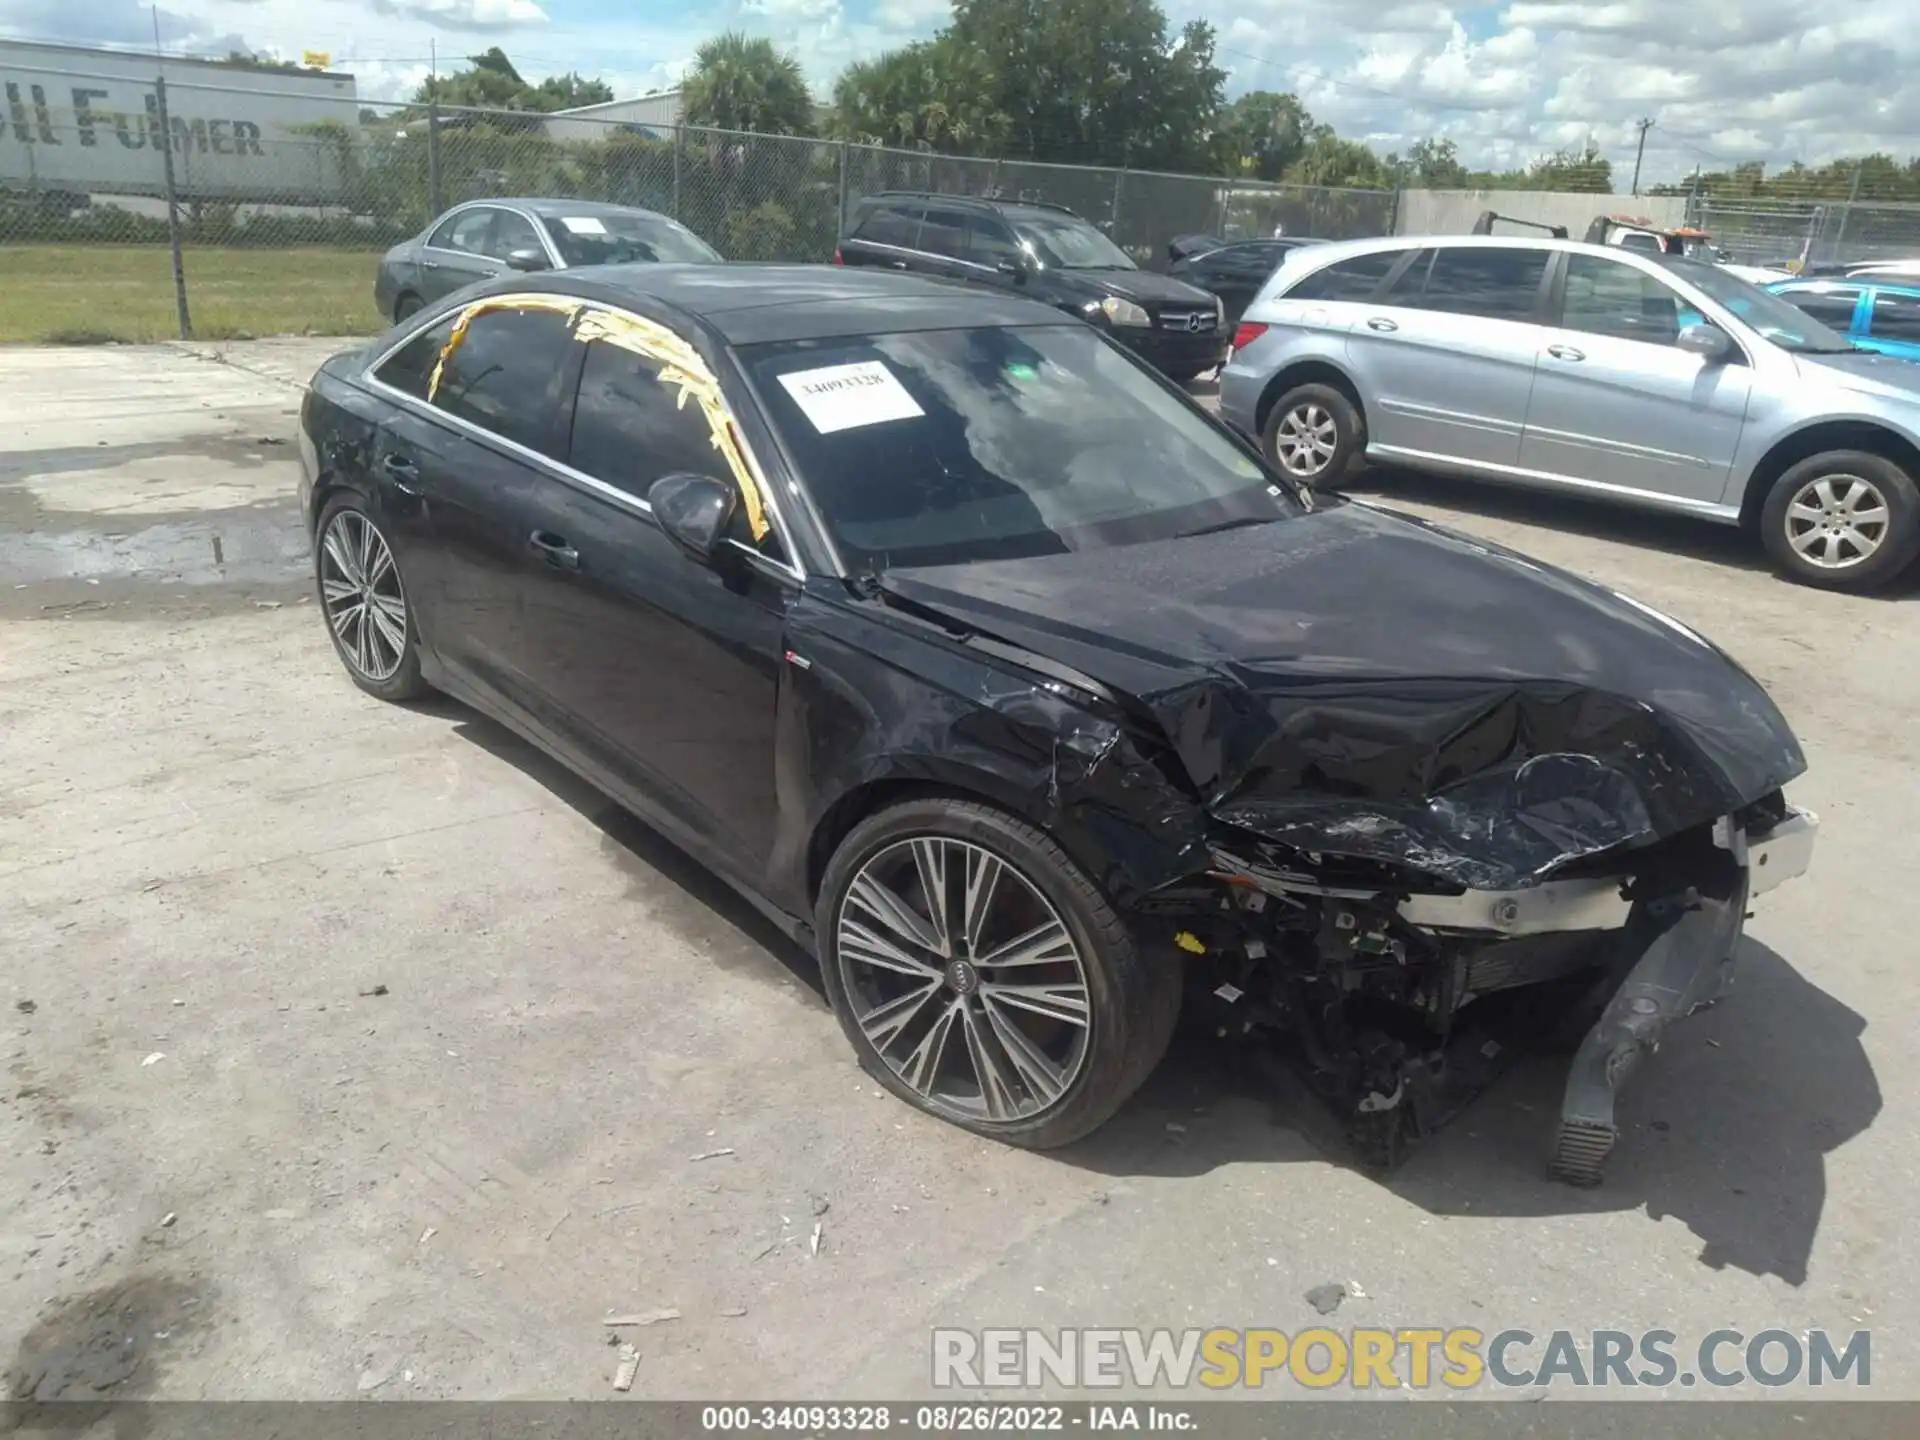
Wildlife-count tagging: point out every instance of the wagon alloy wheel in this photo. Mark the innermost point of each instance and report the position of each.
(965, 979)
(1837, 521)
(1306, 439)
(360, 589)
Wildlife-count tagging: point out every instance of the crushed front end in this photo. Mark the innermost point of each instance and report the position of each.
(1400, 1001)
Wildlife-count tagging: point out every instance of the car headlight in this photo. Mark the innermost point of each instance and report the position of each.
(1219, 312)
(1123, 312)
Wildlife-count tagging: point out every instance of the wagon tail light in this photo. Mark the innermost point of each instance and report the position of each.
(1247, 334)
(838, 259)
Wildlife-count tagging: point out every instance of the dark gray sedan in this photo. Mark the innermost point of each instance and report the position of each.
(485, 239)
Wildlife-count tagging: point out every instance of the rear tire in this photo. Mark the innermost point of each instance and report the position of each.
(1314, 435)
(1845, 520)
(1068, 1075)
(364, 603)
(407, 305)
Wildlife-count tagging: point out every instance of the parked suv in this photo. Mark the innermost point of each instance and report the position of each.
(1654, 380)
(1047, 253)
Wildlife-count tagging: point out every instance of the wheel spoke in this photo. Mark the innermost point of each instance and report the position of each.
(1830, 548)
(869, 947)
(884, 1023)
(363, 642)
(983, 882)
(1876, 514)
(1824, 489)
(930, 861)
(391, 633)
(382, 565)
(1805, 540)
(1046, 944)
(1041, 1076)
(341, 553)
(922, 1067)
(1056, 1002)
(345, 619)
(338, 591)
(893, 913)
(1811, 514)
(997, 1095)
(368, 539)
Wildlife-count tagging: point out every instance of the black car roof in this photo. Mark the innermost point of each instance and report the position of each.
(745, 304)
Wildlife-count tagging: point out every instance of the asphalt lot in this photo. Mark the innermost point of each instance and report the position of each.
(356, 1050)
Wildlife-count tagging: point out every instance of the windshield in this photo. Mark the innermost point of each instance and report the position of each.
(623, 239)
(1069, 243)
(1785, 325)
(949, 446)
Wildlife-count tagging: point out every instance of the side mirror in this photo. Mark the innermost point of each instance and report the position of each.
(694, 510)
(528, 259)
(1014, 268)
(1709, 342)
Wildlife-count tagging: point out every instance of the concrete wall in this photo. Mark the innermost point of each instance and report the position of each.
(1452, 212)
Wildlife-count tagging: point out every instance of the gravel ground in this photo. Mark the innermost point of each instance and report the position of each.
(356, 1050)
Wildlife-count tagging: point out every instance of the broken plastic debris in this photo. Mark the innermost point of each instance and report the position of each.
(1189, 942)
(428, 1234)
(166, 1221)
(1354, 1290)
(734, 1312)
(1229, 993)
(713, 1154)
(154, 1059)
(640, 1317)
(819, 1203)
(814, 1243)
(629, 1367)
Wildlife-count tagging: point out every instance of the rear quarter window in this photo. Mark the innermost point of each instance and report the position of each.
(1353, 279)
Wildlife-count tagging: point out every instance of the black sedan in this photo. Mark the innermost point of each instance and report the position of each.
(489, 239)
(1020, 690)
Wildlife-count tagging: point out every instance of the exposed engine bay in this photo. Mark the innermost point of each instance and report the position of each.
(1400, 1005)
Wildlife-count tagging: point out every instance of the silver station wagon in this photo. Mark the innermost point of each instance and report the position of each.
(1655, 381)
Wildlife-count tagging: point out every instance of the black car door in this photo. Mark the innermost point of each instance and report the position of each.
(996, 256)
(886, 235)
(1236, 274)
(663, 672)
(471, 461)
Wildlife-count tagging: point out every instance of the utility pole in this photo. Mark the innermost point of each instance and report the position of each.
(1640, 152)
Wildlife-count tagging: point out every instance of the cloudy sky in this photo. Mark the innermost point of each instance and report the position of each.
(1725, 80)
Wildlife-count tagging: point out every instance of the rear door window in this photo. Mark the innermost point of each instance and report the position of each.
(505, 373)
(990, 241)
(513, 232)
(1484, 281)
(410, 368)
(1355, 279)
(944, 232)
(1895, 317)
(892, 224)
(468, 232)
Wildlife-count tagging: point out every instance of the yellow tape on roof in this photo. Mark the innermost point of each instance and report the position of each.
(680, 367)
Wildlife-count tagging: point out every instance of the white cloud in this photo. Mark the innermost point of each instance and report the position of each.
(1724, 80)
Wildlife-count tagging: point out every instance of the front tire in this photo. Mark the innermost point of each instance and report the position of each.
(364, 602)
(982, 977)
(1314, 435)
(1845, 520)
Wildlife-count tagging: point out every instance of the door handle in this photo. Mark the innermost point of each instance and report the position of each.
(897, 264)
(401, 471)
(1383, 325)
(560, 555)
(429, 264)
(1566, 352)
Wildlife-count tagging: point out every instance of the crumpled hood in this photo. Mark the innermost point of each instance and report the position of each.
(1366, 685)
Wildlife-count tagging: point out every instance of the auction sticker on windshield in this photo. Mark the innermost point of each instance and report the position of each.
(844, 397)
(584, 224)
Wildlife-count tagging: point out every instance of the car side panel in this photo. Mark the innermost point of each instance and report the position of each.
(1443, 384)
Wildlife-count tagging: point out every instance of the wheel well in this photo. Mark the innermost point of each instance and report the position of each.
(869, 799)
(1817, 440)
(1307, 372)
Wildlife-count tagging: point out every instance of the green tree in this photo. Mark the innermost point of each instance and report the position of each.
(571, 91)
(1095, 82)
(1429, 165)
(491, 83)
(1584, 171)
(1264, 133)
(932, 95)
(741, 82)
(1330, 160)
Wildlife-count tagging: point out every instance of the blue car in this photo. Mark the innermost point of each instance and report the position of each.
(1882, 318)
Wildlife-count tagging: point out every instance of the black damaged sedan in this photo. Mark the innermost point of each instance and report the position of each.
(1022, 692)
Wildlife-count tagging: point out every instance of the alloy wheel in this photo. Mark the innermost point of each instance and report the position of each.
(964, 979)
(360, 589)
(1305, 439)
(1837, 521)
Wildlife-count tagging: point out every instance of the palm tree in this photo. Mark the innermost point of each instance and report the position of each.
(741, 82)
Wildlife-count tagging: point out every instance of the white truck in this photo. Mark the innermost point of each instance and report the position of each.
(85, 122)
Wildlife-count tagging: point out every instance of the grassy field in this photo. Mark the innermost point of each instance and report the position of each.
(90, 294)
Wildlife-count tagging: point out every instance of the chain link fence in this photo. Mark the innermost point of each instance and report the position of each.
(278, 224)
(219, 206)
